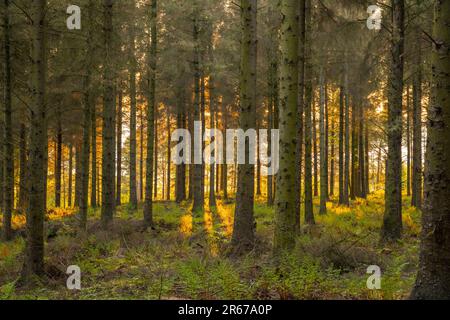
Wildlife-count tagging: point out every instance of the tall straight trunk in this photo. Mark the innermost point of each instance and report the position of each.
(197, 191)
(148, 206)
(203, 121)
(34, 251)
(94, 181)
(224, 165)
(346, 200)
(212, 108)
(190, 121)
(341, 144)
(408, 142)
(285, 199)
(416, 199)
(244, 224)
(8, 139)
(155, 143)
(315, 149)
(168, 157)
(300, 109)
(354, 157)
(327, 141)
(366, 157)
(309, 212)
(108, 130)
(87, 114)
(119, 120)
(362, 154)
(258, 161)
(392, 223)
(141, 157)
(323, 157)
(180, 184)
(132, 59)
(2, 165)
(378, 164)
(269, 141)
(58, 161)
(77, 174)
(70, 182)
(23, 166)
(433, 279)
(332, 150)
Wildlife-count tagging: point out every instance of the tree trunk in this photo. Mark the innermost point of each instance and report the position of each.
(362, 155)
(433, 279)
(332, 150)
(8, 139)
(34, 251)
(108, 130)
(148, 206)
(323, 157)
(416, 199)
(23, 165)
(300, 109)
(94, 181)
(212, 107)
(180, 185)
(119, 118)
(198, 192)
(87, 114)
(309, 212)
(132, 60)
(58, 160)
(244, 224)
(346, 200)
(70, 182)
(168, 157)
(314, 141)
(408, 142)
(392, 223)
(341, 145)
(141, 157)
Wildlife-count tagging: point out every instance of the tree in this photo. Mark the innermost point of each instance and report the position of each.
(8, 140)
(34, 251)
(108, 130)
(433, 278)
(309, 213)
(132, 71)
(323, 158)
(244, 225)
(285, 198)
(119, 125)
(392, 222)
(151, 72)
(341, 145)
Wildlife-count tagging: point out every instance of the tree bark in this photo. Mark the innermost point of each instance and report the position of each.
(8, 140)
(433, 279)
(341, 144)
(108, 130)
(23, 166)
(34, 251)
(323, 157)
(148, 206)
(244, 224)
(58, 159)
(94, 181)
(119, 117)
(392, 222)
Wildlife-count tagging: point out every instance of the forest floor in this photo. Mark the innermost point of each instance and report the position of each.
(187, 258)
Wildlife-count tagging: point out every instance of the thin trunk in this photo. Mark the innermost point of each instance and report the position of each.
(309, 212)
(23, 165)
(346, 184)
(70, 182)
(408, 142)
(168, 157)
(323, 157)
(212, 108)
(332, 151)
(119, 117)
(132, 59)
(141, 157)
(94, 180)
(58, 161)
(417, 131)
(148, 207)
(314, 141)
(180, 184)
(341, 144)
